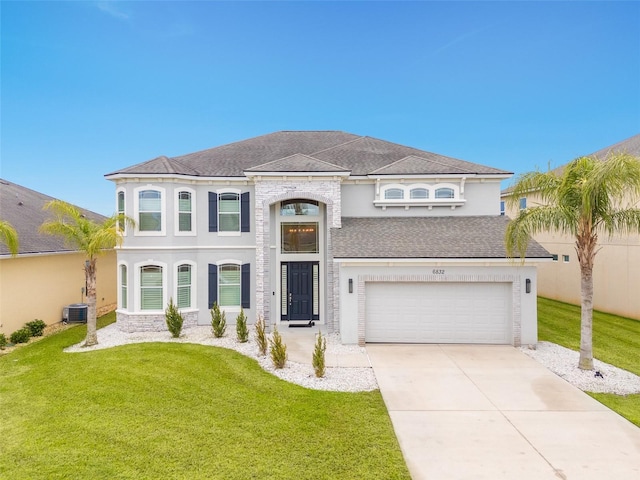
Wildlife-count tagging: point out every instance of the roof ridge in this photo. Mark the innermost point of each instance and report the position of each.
(341, 144)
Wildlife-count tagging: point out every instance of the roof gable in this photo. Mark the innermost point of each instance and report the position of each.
(297, 163)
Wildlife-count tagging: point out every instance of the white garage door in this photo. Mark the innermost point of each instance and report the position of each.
(403, 312)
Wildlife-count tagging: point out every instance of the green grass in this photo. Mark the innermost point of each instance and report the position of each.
(616, 340)
(173, 411)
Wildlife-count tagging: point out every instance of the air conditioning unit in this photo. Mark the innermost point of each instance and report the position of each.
(75, 313)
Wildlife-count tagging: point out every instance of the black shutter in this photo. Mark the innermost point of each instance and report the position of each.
(245, 285)
(245, 225)
(213, 285)
(213, 212)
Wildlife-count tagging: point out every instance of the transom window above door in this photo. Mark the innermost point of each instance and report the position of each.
(299, 237)
(299, 206)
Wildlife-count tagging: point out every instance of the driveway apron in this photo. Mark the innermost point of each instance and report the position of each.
(491, 412)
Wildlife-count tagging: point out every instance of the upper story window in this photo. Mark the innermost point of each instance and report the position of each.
(185, 212)
(184, 286)
(445, 193)
(121, 209)
(151, 288)
(229, 212)
(394, 194)
(523, 203)
(419, 193)
(150, 210)
(299, 207)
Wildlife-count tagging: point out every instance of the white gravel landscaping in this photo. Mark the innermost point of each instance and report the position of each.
(336, 378)
(560, 360)
(564, 363)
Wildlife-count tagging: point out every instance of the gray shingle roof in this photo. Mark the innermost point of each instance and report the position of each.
(630, 146)
(22, 208)
(358, 154)
(297, 163)
(425, 237)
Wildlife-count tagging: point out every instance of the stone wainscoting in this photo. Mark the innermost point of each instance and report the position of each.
(136, 322)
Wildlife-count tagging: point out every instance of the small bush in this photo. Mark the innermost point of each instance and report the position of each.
(278, 350)
(174, 319)
(218, 321)
(21, 336)
(242, 332)
(36, 327)
(3, 341)
(261, 336)
(318, 355)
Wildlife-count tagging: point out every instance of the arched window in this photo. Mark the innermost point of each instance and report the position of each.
(123, 286)
(184, 211)
(418, 193)
(184, 286)
(445, 192)
(150, 211)
(121, 210)
(299, 206)
(394, 194)
(229, 212)
(229, 292)
(151, 288)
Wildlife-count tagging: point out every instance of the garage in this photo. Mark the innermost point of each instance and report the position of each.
(438, 312)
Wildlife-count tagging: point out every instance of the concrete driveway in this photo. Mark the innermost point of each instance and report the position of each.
(491, 412)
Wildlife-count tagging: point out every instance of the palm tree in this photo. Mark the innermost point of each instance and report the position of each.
(9, 237)
(588, 198)
(89, 237)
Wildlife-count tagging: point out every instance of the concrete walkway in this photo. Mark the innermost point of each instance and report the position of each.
(491, 412)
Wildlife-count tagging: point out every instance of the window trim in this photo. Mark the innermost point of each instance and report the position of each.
(239, 194)
(219, 264)
(193, 285)
(137, 278)
(163, 211)
(177, 232)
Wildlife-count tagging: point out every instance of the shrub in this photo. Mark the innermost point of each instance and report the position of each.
(3, 341)
(36, 327)
(21, 336)
(318, 355)
(218, 321)
(174, 319)
(278, 350)
(261, 336)
(242, 332)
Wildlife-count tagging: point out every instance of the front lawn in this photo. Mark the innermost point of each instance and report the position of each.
(616, 340)
(172, 411)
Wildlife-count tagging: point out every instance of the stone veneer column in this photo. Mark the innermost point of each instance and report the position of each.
(269, 191)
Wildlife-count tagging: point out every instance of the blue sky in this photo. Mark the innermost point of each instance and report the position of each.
(91, 87)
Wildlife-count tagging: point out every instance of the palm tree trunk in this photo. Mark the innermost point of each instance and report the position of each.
(90, 275)
(586, 316)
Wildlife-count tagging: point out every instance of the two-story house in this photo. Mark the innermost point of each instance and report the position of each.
(616, 271)
(377, 241)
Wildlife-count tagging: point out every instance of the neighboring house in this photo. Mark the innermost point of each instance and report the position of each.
(377, 241)
(46, 275)
(616, 272)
